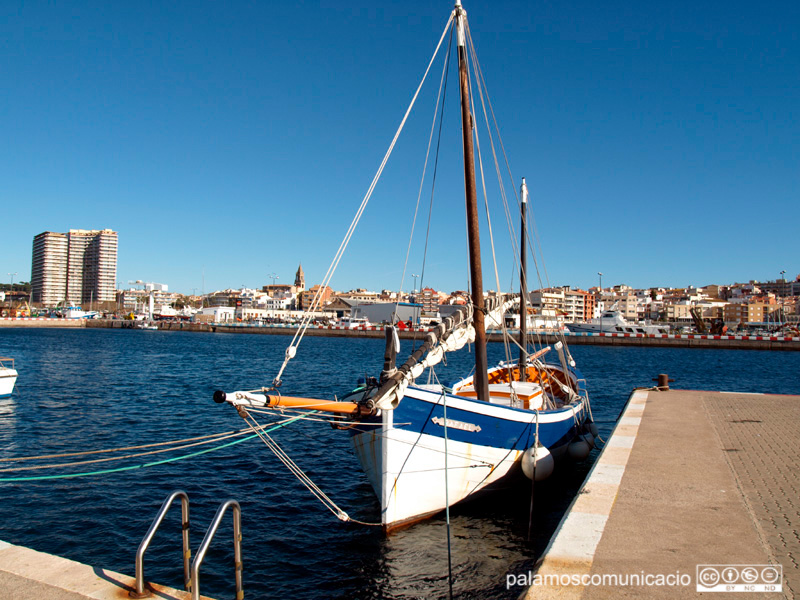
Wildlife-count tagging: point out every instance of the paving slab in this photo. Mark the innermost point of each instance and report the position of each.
(27, 574)
(709, 478)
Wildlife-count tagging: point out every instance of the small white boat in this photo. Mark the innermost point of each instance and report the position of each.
(75, 312)
(8, 376)
(612, 321)
(355, 322)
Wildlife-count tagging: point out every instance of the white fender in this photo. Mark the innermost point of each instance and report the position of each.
(544, 463)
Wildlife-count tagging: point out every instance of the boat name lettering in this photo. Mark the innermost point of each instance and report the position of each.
(456, 424)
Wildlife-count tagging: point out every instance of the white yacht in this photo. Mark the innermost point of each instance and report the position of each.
(612, 321)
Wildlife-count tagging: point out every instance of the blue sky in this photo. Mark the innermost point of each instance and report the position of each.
(229, 141)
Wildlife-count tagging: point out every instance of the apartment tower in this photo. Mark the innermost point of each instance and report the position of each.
(76, 267)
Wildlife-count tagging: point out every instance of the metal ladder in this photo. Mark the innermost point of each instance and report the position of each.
(191, 572)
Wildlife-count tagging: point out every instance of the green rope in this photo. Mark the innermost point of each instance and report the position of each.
(150, 464)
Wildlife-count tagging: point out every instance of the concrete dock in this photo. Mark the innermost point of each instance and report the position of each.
(26, 574)
(687, 479)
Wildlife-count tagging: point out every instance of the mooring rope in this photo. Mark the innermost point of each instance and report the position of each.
(125, 448)
(142, 465)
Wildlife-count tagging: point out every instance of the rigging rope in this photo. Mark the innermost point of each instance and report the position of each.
(298, 336)
(435, 170)
(535, 235)
(439, 98)
(281, 454)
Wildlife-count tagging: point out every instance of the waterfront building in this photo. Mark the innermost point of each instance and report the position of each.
(215, 314)
(387, 312)
(744, 290)
(744, 312)
(283, 296)
(627, 303)
(429, 298)
(138, 301)
(548, 302)
(306, 298)
(230, 297)
(277, 303)
(342, 306)
(711, 308)
(248, 314)
(359, 294)
(677, 312)
(75, 267)
(49, 268)
(388, 296)
(578, 305)
(779, 287)
(588, 303)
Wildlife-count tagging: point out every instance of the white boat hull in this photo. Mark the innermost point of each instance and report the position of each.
(612, 321)
(404, 456)
(8, 377)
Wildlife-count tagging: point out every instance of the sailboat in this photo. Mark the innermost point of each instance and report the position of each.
(427, 446)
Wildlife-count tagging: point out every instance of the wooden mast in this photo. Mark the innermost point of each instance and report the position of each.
(523, 285)
(480, 378)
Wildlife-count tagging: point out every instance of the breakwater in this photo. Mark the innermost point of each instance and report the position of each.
(727, 342)
(40, 322)
(547, 337)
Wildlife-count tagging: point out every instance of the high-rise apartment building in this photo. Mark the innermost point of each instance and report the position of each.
(49, 268)
(75, 267)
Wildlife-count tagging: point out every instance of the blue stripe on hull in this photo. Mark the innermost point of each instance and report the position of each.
(417, 415)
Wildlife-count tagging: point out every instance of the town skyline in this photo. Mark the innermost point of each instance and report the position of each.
(112, 277)
(123, 284)
(134, 285)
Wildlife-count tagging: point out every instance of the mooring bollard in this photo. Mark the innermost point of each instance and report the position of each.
(663, 382)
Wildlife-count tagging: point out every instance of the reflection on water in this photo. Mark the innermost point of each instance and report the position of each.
(8, 426)
(91, 389)
(488, 539)
(7, 406)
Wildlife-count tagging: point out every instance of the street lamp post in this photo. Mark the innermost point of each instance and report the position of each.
(415, 285)
(273, 276)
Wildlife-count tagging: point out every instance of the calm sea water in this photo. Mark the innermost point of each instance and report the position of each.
(91, 389)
